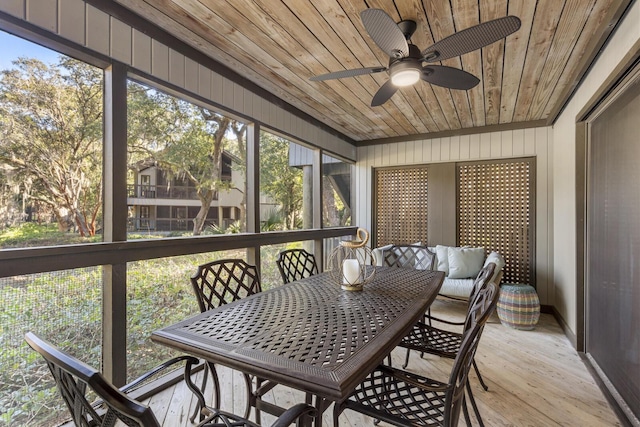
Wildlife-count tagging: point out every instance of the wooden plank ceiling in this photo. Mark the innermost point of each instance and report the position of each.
(280, 44)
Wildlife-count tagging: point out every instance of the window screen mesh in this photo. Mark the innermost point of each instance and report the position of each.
(495, 211)
(401, 206)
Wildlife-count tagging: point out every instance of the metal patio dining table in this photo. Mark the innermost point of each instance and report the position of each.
(310, 334)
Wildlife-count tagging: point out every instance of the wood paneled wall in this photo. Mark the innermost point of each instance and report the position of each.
(91, 28)
(535, 142)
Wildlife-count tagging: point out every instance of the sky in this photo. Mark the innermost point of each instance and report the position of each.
(13, 47)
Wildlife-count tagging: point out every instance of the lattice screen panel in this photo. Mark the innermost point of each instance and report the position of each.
(401, 206)
(495, 211)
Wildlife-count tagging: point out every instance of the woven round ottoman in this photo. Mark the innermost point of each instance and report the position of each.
(518, 306)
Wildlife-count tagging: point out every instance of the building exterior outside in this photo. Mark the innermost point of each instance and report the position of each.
(161, 203)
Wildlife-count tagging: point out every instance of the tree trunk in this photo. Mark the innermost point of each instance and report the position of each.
(64, 222)
(201, 217)
(330, 211)
(81, 223)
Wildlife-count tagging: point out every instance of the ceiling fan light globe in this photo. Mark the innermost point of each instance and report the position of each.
(405, 77)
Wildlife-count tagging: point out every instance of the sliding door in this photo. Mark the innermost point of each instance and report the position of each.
(613, 245)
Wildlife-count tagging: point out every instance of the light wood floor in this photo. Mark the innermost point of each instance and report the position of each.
(535, 378)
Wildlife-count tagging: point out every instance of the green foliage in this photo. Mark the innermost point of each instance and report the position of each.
(233, 228)
(280, 181)
(269, 273)
(34, 234)
(51, 137)
(273, 222)
(65, 307)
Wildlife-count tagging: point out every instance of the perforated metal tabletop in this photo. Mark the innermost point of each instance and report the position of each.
(310, 334)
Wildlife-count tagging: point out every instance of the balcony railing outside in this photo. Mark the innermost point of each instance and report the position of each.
(167, 224)
(147, 191)
(144, 191)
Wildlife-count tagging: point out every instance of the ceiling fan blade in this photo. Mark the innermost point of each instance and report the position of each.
(452, 78)
(385, 32)
(383, 94)
(471, 39)
(348, 73)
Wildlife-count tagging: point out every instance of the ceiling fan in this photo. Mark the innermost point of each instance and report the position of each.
(405, 59)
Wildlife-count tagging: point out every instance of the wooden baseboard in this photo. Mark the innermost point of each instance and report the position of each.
(546, 309)
(565, 328)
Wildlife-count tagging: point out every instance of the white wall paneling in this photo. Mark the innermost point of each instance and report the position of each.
(495, 145)
(43, 13)
(159, 60)
(176, 68)
(13, 7)
(70, 12)
(141, 51)
(191, 78)
(121, 42)
(96, 30)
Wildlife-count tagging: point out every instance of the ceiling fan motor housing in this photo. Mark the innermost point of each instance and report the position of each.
(406, 71)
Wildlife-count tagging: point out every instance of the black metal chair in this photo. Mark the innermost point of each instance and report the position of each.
(409, 256)
(221, 282)
(406, 399)
(295, 264)
(74, 378)
(426, 338)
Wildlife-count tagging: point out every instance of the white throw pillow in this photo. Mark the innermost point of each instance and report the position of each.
(442, 253)
(498, 260)
(465, 262)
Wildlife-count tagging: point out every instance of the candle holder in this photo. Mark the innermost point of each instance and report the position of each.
(348, 262)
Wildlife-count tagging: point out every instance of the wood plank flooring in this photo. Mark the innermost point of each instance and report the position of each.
(535, 378)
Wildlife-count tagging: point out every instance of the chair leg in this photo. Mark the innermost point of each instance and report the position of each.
(209, 368)
(475, 367)
(473, 404)
(197, 391)
(216, 386)
(249, 385)
(258, 384)
(406, 359)
(465, 411)
(337, 410)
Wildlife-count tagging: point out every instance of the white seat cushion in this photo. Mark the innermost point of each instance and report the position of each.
(460, 288)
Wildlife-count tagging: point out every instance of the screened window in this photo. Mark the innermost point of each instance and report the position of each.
(50, 147)
(286, 184)
(187, 157)
(336, 192)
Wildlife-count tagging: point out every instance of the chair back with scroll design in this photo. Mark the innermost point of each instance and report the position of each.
(405, 398)
(224, 281)
(480, 310)
(482, 279)
(409, 256)
(296, 264)
(74, 379)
